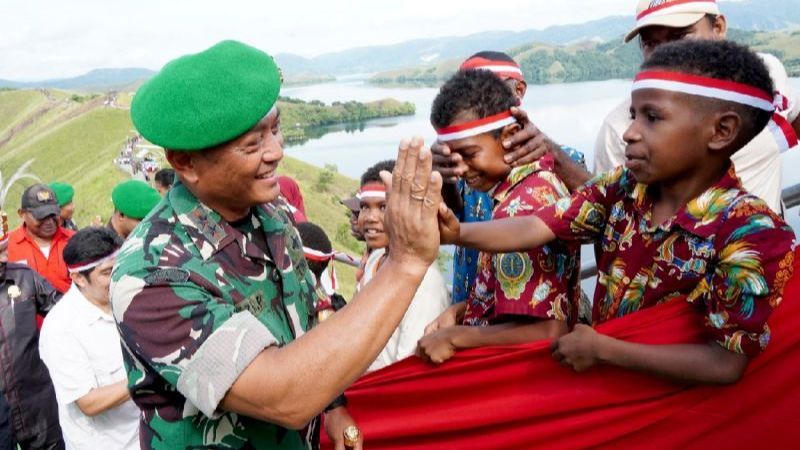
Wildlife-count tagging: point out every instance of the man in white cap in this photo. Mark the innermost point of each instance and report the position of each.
(659, 21)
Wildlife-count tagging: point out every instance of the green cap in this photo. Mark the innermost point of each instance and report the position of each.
(205, 99)
(64, 192)
(135, 198)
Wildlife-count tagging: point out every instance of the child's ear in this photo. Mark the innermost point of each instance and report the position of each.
(727, 128)
(509, 130)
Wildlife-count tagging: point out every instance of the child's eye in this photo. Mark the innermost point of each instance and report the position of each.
(383, 208)
(652, 118)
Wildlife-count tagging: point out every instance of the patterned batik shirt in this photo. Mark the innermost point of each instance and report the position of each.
(726, 251)
(478, 207)
(196, 299)
(542, 283)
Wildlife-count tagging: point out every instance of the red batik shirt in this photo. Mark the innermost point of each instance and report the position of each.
(542, 283)
(726, 251)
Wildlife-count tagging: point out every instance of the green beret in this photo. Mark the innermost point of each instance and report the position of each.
(202, 100)
(135, 198)
(64, 192)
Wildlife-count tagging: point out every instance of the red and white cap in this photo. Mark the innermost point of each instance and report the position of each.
(504, 69)
(475, 127)
(671, 13)
(730, 91)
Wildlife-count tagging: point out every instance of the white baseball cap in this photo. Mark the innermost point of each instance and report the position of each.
(671, 13)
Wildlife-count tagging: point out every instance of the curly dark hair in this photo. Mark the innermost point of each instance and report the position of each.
(723, 60)
(479, 92)
(372, 175)
(314, 237)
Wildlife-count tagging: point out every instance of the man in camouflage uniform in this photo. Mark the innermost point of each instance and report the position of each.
(211, 292)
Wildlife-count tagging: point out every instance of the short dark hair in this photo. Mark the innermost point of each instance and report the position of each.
(90, 244)
(492, 56)
(723, 60)
(165, 177)
(314, 237)
(373, 174)
(480, 92)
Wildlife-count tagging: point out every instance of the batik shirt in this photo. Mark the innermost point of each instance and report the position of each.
(478, 207)
(541, 283)
(726, 252)
(196, 299)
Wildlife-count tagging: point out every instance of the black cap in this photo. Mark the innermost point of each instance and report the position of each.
(40, 201)
(352, 203)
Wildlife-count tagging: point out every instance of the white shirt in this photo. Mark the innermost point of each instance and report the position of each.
(80, 345)
(758, 164)
(430, 300)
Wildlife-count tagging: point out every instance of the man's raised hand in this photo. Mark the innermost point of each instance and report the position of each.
(414, 195)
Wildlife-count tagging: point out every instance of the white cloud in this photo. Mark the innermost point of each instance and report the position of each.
(52, 39)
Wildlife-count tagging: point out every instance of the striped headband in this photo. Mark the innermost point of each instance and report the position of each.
(317, 256)
(730, 91)
(372, 190)
(475, 127)
(82, 267)
(663, 8)
(503, 69)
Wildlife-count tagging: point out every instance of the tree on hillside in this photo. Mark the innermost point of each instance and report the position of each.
(20, 174)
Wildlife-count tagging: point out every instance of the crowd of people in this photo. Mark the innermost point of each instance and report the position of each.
(205, 312)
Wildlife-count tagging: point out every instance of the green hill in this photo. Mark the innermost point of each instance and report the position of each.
(591, 61)
(75, 139)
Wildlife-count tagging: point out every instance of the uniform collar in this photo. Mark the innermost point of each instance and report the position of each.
(209, 232)
(699, 216)
(519, 174)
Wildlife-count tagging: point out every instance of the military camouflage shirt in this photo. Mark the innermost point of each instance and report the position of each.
(196, 299)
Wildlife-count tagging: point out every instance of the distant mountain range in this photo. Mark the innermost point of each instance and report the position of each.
(96, 80)
(748, 15)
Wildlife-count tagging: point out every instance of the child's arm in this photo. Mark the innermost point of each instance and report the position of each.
(689, 363)
(497, 236)
(441, 345)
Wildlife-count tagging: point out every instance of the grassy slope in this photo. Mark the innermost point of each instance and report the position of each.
(77, 142)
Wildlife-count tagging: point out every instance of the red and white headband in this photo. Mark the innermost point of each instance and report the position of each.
(372, 190)
(77, 268)
(668, 8)
(730, 91)
(503, 69)
(475, 127)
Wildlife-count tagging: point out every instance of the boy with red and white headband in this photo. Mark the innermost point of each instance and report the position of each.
(758, 164)
(431, 297)
(674, 223)
(516, 297)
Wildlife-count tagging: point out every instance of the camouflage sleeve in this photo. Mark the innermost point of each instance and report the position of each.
(197, 342)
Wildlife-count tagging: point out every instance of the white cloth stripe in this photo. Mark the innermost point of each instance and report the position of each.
(477, 130)
(703, 91)
(92, 265)
(511, 69)
(371, 194)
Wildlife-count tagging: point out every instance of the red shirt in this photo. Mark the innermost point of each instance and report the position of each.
(23, 249)
(542, 283)
(291, 192)
(726, 251)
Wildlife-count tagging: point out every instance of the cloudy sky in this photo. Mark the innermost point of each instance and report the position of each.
(41, 39)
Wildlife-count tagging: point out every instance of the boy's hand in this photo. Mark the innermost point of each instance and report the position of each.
(528, 144)
(449, 226)
(577, 349)
(414, 196)
(437, 347)
(447, 163)
(336, 420)
(448, 318)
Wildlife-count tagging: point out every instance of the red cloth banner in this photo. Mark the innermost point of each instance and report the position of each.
(518, 397)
